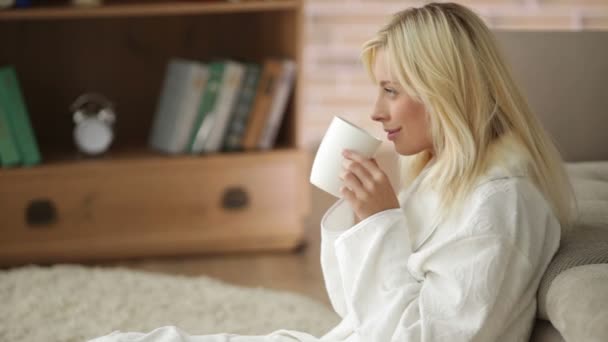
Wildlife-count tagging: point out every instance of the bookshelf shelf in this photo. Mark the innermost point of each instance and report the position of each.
(140, 155)
(116, 9)
(135, 202)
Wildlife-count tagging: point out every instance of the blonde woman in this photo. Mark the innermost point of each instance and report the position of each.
(457, 253)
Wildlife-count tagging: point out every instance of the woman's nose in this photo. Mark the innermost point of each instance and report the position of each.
(380, 112)
(379, 115)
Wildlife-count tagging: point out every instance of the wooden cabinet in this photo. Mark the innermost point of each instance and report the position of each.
(132, 201)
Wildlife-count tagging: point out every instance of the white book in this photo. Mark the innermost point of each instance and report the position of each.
(232, 79)
(189, 108)
(278, 106)
(178, 104)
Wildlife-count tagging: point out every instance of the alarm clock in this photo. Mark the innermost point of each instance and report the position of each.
(94, 118)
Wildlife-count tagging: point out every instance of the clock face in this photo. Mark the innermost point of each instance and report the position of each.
(93, 136)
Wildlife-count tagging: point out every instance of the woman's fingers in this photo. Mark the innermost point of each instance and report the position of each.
(366, 187)
(369, 164)
(353, 183)
(347, 194)
(360, 172)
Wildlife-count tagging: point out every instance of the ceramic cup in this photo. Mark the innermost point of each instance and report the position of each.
(327, 165)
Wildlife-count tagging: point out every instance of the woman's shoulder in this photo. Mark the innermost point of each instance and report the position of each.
(506, 191)
(500, 190)
(512, 209)
(511, 206)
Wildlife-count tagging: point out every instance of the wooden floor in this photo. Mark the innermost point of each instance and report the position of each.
(299, 271)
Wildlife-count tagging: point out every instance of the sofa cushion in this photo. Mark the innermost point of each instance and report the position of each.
(587, 242)
(592, 202)
(577, 303)
(583, 245)
(590, 184)
(597, 170)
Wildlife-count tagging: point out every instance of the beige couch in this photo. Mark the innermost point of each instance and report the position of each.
(563, 75)
(573, 296)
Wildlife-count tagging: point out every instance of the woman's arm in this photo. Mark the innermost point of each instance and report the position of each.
(341, 217)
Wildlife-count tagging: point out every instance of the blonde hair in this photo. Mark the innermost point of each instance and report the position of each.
(444, 56)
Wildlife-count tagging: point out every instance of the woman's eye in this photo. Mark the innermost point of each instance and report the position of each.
(390, 91)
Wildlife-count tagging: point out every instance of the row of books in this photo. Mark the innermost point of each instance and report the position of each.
(221, 106)
(18, 145)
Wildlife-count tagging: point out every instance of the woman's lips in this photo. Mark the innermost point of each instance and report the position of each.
(391, 134)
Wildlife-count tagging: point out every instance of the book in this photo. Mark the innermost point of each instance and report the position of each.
(18, 117)
(9, 155)
(262, 103)
(240, 113)
(226, 99)
(279, 105)
(205, 117)
(178, 104)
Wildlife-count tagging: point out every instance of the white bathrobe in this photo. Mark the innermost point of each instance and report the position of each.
(398, 276)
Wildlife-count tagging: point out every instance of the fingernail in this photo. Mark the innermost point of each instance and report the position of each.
(345, 152)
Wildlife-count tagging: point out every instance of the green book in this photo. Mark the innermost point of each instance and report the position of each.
(9, 155)
(205, 117)
(18, 117)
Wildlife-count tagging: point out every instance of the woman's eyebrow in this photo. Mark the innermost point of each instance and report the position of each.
(383, 83)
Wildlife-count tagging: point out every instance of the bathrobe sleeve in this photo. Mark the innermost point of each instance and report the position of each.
(464, 289)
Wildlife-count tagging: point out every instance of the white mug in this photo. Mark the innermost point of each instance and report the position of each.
(327, 166)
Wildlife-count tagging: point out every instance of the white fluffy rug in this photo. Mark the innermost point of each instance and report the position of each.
(74, 303)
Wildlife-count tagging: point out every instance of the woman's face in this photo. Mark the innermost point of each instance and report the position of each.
(404, 119)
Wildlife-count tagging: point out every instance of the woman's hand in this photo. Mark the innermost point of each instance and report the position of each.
(366, 187)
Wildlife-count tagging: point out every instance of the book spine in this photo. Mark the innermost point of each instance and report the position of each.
(9, 155)
(196, 81)
(262, 103)
(164, 126)
(19, 119)
(231, 83)
(242, 109)
(205, 118)
(279, 106)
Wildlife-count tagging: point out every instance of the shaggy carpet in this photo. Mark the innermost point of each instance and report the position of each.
(74, 303)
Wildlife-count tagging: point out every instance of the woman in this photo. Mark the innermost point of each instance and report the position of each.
(457, 254)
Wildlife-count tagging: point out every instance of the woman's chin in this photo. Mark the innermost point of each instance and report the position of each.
(404, 150)
(407, 150)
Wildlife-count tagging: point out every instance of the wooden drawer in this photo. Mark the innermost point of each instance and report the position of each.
(153, 206)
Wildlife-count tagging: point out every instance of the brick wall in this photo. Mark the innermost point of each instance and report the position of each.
(334, 79)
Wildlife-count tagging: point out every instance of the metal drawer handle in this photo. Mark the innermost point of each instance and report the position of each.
(235, 198)
(40, 212)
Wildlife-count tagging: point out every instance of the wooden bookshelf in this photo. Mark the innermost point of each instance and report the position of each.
(135, 202)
